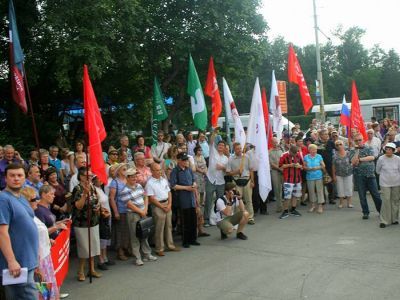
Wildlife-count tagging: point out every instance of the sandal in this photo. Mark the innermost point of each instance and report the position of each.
(95, 274)
(81, 276)
(312, 209)
(122, 257)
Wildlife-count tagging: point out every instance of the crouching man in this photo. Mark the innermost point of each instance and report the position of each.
(230, 211)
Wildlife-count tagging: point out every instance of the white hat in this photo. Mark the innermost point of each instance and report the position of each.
(390, 145)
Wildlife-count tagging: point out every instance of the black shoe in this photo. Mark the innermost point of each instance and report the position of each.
(241, 236)
(195, 243)
(223, 236)
(102, 266)
(295, 213)
(185, 245)
(332, 202)
(395, 223)
(365, 217)
(382, 225)
(203, 234)
(284, 215)
(110, 263)
(303, 203)
(264, 212)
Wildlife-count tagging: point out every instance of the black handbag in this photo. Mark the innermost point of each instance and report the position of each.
(241, 181)
(144, 227)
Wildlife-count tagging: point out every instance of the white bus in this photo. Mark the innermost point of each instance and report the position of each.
(378, 108)
(245, 121)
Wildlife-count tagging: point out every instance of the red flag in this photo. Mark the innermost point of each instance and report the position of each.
(295, 75)
(60, 254)
(94, 128)
(16, 62)
(268, 128)
(211, 90)
(356, 119)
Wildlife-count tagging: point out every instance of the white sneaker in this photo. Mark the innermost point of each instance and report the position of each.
(139, 262)
(64, 295)
(150, 258)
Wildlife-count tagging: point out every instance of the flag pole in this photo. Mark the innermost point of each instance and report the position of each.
(88, 209)
(35, 132)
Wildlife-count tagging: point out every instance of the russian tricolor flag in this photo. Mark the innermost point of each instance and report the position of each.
(345, 114)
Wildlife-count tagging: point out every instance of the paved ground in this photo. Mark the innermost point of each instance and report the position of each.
(336, 255)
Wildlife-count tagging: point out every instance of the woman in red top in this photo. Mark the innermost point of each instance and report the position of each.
(141, 147)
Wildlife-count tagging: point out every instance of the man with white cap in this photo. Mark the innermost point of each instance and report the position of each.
(388, 167)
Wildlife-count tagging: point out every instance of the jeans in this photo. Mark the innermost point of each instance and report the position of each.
(368, 183)
(26, 291)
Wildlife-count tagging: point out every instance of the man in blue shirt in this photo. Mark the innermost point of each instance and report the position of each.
(182, 181)
(55, 162)
(18, 235)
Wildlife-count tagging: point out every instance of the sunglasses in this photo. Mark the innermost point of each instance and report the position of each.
(360, 140)
(34, 199)
(339, 144)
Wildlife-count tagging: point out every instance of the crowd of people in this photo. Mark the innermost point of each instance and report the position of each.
(186, 185)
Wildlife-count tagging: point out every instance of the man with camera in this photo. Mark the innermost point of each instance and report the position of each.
(230, 211)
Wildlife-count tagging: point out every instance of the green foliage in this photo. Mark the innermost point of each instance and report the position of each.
(127, 42)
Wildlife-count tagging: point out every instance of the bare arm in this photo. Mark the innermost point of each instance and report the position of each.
(113, 203)
(8, 253)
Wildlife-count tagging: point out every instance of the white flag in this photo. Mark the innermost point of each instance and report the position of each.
(257, 136)
(240, 136)
(275, 108)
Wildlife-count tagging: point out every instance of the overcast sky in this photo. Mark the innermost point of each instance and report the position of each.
(293, 19)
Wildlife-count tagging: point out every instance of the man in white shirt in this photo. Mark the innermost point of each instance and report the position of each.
(230, 211)
(191, 144)
(160, 149)
(239, 166)
(159, 193)
(80, 161)
(215, 175)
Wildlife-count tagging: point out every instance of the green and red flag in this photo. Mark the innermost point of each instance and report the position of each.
(199, 110)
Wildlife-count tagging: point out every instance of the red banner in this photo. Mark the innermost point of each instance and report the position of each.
(60, 254)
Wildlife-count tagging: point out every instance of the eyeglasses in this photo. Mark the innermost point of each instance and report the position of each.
(339, 144)
(360, 140)
(34, 199)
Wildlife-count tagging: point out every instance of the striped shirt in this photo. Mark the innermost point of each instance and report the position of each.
(292, 174)
(134, 195)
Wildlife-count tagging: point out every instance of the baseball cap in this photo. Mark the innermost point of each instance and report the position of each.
(182, 156)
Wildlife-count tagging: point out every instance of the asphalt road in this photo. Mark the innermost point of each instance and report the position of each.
(336, 255)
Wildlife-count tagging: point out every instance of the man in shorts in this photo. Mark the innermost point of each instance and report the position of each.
(292, 164)
(230, 211)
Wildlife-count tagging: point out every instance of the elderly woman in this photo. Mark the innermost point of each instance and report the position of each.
(315, 167)
(388, 167)
(44, 214)
(45, 268)
(342, 174)
(146, 150)
(143, 171)
(136, 202)
(59, 206)
(119, 208)
(85, 212)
